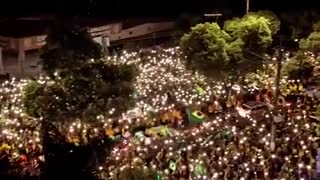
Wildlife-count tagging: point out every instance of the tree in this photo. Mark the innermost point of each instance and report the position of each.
(300, 22)
(274, 22)
(300, 66)
(263, 78)
(312, 42)
(206, 50)
(234, 51)
(303, 64)
(228, 54)
(67, 46)
(81, 84)
(81, 87)
(252, 34)
(92, 90)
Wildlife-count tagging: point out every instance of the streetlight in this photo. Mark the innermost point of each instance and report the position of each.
(276, 98)
(217, 15)
(280, 55)
(1, 61)
(212, 14)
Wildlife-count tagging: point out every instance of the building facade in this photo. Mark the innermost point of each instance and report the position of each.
(104, 33)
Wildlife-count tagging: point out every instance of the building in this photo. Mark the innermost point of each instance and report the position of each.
(143, 35)
(20, 37)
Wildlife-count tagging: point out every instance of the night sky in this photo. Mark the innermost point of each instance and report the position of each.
(122, 8)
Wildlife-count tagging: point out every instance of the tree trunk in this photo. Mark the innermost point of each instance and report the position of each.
(44, 137)
(54, 145)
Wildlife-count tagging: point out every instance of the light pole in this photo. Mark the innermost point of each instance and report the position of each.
(247, 6)
(276, 99)
(217, 15)
(1, 62)
(279, 54)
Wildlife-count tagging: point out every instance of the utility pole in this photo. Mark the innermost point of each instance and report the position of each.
(276, 116)
(1, 62)
(105, 44)
(279, 54)
(21, 57)
(247, 6)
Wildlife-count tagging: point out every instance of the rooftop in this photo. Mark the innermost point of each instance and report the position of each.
(128, 23)
(32, 26)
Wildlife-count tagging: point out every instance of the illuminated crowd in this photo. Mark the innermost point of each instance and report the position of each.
(224, 146)
(20, 138)
(218, 149)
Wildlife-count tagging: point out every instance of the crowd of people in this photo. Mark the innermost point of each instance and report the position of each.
(20, 148)
(158, 138)
(219, 149)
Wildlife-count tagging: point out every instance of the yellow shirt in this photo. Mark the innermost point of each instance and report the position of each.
(109, 132)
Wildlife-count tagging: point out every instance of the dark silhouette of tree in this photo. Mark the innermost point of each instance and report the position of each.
(81, 87)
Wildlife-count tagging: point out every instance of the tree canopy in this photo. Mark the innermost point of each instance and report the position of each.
(95, 89)
(300, 66)
(303, 64)
(81, 84)
(251, 36)
(67, 46)
(274, 22)
(206, 48)
(312, 42)
(300, 22)
(233, 51)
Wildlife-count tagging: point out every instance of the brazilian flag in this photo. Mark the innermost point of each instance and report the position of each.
(195, 117)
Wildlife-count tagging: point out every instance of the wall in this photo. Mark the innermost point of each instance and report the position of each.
(141, 30)
(36, 42)
(114, 31)
(8, 43)
(105, 30)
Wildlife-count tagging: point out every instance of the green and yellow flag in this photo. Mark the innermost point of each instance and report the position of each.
(200, 170)
(195, 116)
(200, 90)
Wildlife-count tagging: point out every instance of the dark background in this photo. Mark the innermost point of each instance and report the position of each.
(125, 8)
